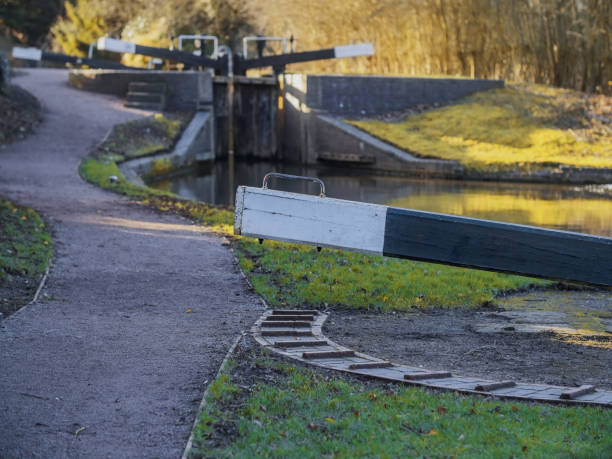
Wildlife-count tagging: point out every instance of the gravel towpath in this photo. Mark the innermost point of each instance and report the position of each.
(110, 362)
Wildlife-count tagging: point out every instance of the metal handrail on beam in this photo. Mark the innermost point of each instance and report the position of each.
(212, 38)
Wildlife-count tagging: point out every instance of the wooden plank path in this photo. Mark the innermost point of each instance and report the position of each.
(312, 347)
(423, 236)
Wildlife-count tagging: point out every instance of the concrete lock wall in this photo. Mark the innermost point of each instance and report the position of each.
(184, 89)
(314, 132)
(374, 95)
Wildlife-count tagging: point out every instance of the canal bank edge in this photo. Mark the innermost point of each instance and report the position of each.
(195, 144)
(312, 130)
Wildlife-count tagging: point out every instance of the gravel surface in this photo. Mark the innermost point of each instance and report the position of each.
(111, 362)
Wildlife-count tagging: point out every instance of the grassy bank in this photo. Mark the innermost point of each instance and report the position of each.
(20, 112)
(25, 253)
(519, 128)
(142, 137)
(262, 407)
(297, 276)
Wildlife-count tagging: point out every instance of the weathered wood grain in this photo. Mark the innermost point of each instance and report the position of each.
(496, 246)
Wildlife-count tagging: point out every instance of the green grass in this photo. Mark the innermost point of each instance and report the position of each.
(144, 136)
(295, 412)
(521, 128)
(296, 276)
(24, 242)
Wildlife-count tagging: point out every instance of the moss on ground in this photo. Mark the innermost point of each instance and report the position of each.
(143, 137)
(518, 128)
(25, 253)
(262, 407)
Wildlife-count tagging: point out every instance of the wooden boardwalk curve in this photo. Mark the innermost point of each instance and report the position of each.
(304, 341)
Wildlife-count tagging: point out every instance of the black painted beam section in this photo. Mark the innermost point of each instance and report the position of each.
(94, 63)
(180, 56)
(495, 246)
(289, 58)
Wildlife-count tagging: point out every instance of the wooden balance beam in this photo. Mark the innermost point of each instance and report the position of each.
(425, 236)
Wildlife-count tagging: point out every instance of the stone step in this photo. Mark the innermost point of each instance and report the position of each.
(145, 106)
(145, 97)
(141, 86)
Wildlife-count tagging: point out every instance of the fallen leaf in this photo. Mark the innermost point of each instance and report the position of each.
(189, 311)
(312, 426)
(330, 420)
(372, 396)
(441, 410)
(433, 432)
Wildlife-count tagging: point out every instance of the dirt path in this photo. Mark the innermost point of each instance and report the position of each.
(486, 343)
(110, 363)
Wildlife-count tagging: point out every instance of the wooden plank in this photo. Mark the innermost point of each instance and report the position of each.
(278, 312)
(424, 236)
(360, 49)
(300, 343)
(293, 323)
(288, 317)
(368, 365)
(286, 333)
(430, 375)
(487, 387)
(495, 246)
(327, 354)
(577, 392)
(306, 219)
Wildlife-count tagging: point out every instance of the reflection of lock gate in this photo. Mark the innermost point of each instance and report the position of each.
(425, 236)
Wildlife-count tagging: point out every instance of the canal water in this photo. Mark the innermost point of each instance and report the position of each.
(585, 209)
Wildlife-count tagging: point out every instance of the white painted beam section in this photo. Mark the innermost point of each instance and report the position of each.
(114, 45)
(30, 54)
(312, 220)
(361, 49)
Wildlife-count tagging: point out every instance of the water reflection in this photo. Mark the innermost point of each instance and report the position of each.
(585, 209)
